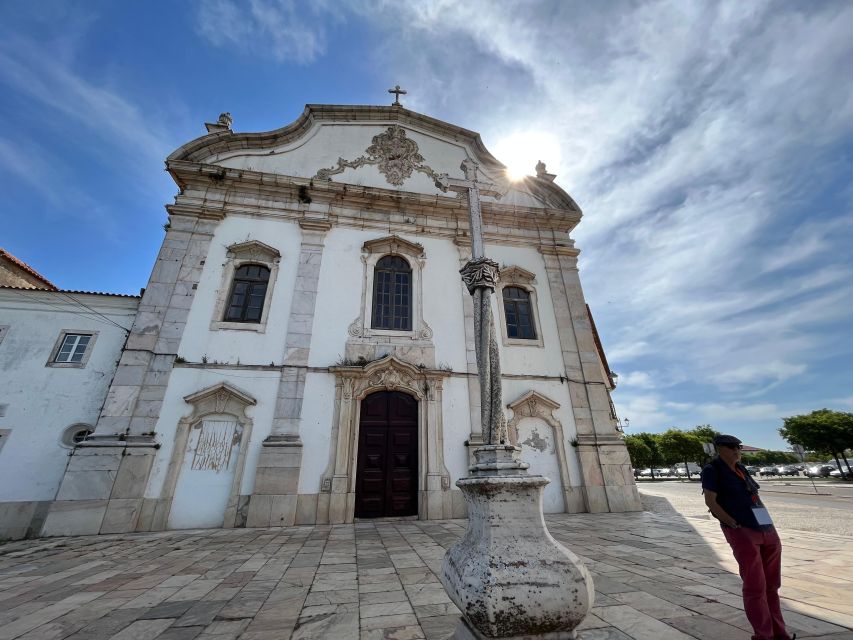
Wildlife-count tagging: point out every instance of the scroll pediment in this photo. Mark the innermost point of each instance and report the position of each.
(216, 399)
(254, 250)
(531, 402)
(394, 245)
(367, 146)
(516, 275)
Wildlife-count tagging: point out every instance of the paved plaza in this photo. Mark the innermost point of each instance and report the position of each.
(657, 577)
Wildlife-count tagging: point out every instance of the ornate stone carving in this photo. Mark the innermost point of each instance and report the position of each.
(480, 273)
(356, 328)
(395, 155)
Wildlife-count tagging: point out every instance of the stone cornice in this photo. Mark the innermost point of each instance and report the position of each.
(223, 189)
(559, 250)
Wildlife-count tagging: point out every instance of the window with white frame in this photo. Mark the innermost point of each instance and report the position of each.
(245, 293)
(72, 348)
(520, 315)
(392, 292)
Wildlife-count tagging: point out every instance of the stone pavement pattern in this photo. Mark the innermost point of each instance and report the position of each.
(657, 577)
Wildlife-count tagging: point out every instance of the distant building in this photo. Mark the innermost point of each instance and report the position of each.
(17, 273)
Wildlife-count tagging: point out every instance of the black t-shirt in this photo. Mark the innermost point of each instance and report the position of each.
(734, 494)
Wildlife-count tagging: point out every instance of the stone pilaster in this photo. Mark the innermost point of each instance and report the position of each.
(103, 487)
(608, 484)
(475, 438)
(274, 497)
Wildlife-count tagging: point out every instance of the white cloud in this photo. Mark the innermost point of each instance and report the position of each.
(637, 379)
(274, 28)
(100, 111)
(694, 136)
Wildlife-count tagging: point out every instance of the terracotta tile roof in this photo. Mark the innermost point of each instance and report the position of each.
(55, 290)
(23, 265)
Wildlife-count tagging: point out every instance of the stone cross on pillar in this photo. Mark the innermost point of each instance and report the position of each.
(481, 275)
(507, 575)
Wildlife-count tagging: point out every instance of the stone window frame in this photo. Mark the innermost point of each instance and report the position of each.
(66, 440)
(220, 399)
(533, 404)
(371, 252)
(238, 255)
(51, 361)
(515, 276)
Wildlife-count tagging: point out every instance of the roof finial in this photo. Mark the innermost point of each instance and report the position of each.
(397, 91)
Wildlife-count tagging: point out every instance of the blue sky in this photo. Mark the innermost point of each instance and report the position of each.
(710, 146)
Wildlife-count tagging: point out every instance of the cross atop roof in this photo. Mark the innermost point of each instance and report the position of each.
(397, 91)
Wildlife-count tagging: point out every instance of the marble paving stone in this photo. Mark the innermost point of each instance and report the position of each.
(657, 576)
(143, 630)
(394, 633)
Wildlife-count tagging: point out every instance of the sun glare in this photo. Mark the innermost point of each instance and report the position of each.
(521, 151)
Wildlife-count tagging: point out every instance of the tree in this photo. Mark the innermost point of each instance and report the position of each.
(705, 433)
(680, 446)
(651, 441)
(823, 431)
(641, 454)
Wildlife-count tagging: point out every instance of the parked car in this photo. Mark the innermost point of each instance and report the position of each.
(844, 472)
(787, 470)
(820, 470)
(679, 470)
(753, 469)
(767, 471)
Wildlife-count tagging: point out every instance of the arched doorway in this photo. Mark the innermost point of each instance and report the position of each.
(387, 470)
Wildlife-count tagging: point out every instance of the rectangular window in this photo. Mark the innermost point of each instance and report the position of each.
(73, 348)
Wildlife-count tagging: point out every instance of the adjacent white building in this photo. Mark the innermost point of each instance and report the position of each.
(58, 354)
(303, 352)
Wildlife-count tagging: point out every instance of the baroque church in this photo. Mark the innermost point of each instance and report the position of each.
(303, 352)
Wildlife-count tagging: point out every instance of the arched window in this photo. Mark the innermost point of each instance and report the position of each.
(246, 302)
(519, 318)
(392, 294)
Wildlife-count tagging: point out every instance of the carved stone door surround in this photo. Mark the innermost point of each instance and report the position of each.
(352, 385)
(535, 405)
(220, 399)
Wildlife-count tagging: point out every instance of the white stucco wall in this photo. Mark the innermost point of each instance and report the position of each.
(260, 385)
(231, 345)
(42, 401)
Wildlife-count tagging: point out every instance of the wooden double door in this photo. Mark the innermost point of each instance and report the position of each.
(387, 472)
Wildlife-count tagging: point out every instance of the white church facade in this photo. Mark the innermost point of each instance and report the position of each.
(303, 352)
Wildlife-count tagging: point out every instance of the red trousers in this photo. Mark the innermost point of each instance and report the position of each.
(759, 557)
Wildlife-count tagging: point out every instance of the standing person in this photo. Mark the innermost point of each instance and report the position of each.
(732, 497)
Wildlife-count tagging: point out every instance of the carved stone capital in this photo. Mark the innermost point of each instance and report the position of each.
(480, 273)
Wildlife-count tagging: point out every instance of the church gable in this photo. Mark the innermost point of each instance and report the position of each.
(380, 147)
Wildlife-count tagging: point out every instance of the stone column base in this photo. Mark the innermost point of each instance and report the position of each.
(274, 497)
(103, 487)
(507, 575)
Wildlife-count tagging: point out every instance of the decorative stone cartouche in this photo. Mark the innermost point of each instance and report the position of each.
(509, 577)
